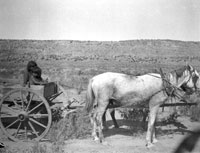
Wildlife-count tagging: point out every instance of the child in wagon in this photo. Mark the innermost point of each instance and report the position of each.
(32, 75)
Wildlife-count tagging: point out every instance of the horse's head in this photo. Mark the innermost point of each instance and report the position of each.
(188, 79)
(196, 80)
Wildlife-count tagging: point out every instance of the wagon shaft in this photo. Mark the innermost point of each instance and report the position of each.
(178, 104)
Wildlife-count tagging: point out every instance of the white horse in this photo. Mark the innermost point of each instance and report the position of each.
(133, 91)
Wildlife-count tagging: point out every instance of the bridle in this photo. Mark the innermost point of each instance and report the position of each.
(170, 88)
(194, 78)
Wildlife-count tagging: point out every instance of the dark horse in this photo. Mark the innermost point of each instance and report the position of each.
(131, 91)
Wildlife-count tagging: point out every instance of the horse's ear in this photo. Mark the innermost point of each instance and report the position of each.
(189, 67)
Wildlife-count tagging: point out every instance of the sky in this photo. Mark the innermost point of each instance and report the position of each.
(100, 20)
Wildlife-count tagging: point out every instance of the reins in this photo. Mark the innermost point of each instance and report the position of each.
(164, 79)
(171, 89)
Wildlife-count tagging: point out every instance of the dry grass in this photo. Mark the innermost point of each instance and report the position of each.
(74, 125)
(195, 113)
(192, 111)
(35, 148)
(137, 120)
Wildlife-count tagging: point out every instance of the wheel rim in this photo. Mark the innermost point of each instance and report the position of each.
(25, 115)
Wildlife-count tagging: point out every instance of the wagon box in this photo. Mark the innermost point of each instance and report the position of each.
(46, 90)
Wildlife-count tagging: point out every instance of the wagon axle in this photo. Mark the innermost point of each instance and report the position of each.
(23, 116)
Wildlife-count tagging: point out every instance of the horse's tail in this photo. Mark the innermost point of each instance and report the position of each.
(89, 98)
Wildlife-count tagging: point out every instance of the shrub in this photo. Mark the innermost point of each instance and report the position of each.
(195, 113)
(136, 118)
(38, 148)
(74, 125)
(192, 111)
(56, 114)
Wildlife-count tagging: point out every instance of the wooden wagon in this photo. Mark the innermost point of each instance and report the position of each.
(26, 112)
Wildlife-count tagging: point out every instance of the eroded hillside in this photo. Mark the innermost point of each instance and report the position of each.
(76, 61)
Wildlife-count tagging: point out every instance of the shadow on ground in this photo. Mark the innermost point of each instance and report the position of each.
(126, 128)
(130, 128)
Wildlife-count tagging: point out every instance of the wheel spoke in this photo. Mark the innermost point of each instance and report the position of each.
(35, 108)
(34, 131)
(38, 115)
(12, 124)
(10, 109)
(38, 123)
(29, 102)
(25, 129)
(14, 101)
(22, 99)
(18, 128)
(6, 116)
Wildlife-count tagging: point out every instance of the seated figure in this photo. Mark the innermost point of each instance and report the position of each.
(35, 78)
(32, 75)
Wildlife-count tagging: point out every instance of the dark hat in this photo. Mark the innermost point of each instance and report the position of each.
(31, 64)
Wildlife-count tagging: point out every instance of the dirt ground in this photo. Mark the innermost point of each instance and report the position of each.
(122, 140)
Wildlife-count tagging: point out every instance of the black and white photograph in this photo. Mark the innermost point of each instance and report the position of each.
(99, 76)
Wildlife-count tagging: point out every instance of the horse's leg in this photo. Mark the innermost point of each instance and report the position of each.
(154, 140)
(144, 118)
(102, 105)
(94, 128)
(150, 130)
(99, 124)
(112, 114)
(154, 105)
(104, 121)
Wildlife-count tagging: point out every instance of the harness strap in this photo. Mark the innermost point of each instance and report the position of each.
(169, 89)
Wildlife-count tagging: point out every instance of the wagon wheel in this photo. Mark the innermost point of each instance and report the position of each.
(25, 115)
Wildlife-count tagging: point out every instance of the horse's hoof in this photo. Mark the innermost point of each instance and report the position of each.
(96, 139)
(155, 140)
(105, 143)
(149, 145)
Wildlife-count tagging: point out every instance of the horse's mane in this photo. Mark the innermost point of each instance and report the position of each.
(179, 72)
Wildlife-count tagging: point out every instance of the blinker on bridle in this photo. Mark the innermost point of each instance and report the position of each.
(194, 77)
